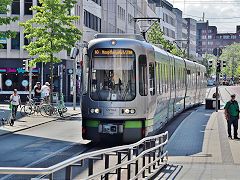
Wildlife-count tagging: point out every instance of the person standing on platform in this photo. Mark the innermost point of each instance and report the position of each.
(231, 111)
(46, 91)
(37, 91)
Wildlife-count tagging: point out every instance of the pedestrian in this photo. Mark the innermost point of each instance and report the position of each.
(231, 111)
(37, 92)
(46, 90)
(16, 101)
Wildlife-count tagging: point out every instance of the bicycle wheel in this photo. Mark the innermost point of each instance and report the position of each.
(45, 110)
(28, 110)
(65, 109)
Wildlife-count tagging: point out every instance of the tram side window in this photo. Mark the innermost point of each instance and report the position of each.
(143, 83)
(152, 78)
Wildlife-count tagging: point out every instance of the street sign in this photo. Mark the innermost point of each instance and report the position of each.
(217, 51)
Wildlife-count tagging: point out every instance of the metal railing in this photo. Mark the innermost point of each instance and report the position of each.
(150, 149)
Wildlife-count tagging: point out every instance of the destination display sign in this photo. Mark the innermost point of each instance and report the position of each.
(112, 52)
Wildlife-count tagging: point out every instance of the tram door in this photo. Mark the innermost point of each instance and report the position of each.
(172, 87)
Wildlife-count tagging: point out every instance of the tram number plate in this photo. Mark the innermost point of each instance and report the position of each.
(110, 128)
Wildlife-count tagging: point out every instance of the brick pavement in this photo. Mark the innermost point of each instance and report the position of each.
(200, 149)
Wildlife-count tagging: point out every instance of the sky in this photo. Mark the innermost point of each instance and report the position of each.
(225, 14)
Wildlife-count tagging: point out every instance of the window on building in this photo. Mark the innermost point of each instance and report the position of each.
(204, 37)
(97, 2)
(92, 21)
(26, 40)
(16, 7)
(209, 36)
(209, 31)
(15, 42)
(226, 36)
(3, 42)
(27, 5)
(204, 43)
(204, 31)
(210, 42)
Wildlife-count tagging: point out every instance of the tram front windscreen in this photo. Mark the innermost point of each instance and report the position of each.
(113, 75)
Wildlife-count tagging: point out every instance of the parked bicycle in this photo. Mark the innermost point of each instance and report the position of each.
(33, 107)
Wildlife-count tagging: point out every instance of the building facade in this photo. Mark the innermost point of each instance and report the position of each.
(12, 74)
(164, 10)
(191, 36)
(208, 38)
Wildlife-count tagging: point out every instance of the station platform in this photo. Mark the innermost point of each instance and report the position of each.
(200, 148)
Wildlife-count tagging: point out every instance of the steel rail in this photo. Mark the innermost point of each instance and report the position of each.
(69, 162)
(127, 162)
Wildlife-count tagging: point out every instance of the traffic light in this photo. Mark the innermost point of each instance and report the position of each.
(219, 66)
(25, 64)
(64, 68)
(224, 63)
(210, 62)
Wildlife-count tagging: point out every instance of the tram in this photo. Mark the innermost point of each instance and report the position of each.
(131, 88)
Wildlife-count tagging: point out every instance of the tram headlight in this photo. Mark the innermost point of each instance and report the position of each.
(96, 110)
(126, 111)
(132, 111)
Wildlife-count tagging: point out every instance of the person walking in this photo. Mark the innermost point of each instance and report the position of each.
(16, 101)
(231, 111)
(37, 91)
(46, 90)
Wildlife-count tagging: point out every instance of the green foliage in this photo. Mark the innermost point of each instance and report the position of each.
(53, 29)
(6, 20)
(231, 54)
(155, 36)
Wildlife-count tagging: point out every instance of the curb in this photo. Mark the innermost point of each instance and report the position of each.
(59, 118)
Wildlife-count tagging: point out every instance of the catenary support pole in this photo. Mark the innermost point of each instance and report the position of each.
(74, 83)
(217, 81)
(61, 79)
(42, 75)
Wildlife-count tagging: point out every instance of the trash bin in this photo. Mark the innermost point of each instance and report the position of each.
(211, 103)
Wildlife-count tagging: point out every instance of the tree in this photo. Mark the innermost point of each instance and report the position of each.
(155, 36)
(232, 56)
(6, 20)
(53, 30)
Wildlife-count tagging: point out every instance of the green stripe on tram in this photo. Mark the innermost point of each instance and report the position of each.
(92, 123)
(149, 122)
(133, 124)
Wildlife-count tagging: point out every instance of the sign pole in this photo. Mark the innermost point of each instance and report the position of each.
(42, 75)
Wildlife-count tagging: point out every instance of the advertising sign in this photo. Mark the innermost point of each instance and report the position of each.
(8, 82)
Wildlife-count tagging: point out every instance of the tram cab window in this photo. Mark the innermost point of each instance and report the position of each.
(113, 75)
(143, 82)
(152, 78)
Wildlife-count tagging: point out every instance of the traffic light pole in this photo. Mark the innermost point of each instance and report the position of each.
(30, 82)
(217, 81)
(74, 83)
(61, 79)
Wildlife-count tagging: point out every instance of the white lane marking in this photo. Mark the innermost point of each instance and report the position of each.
(43, 159)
